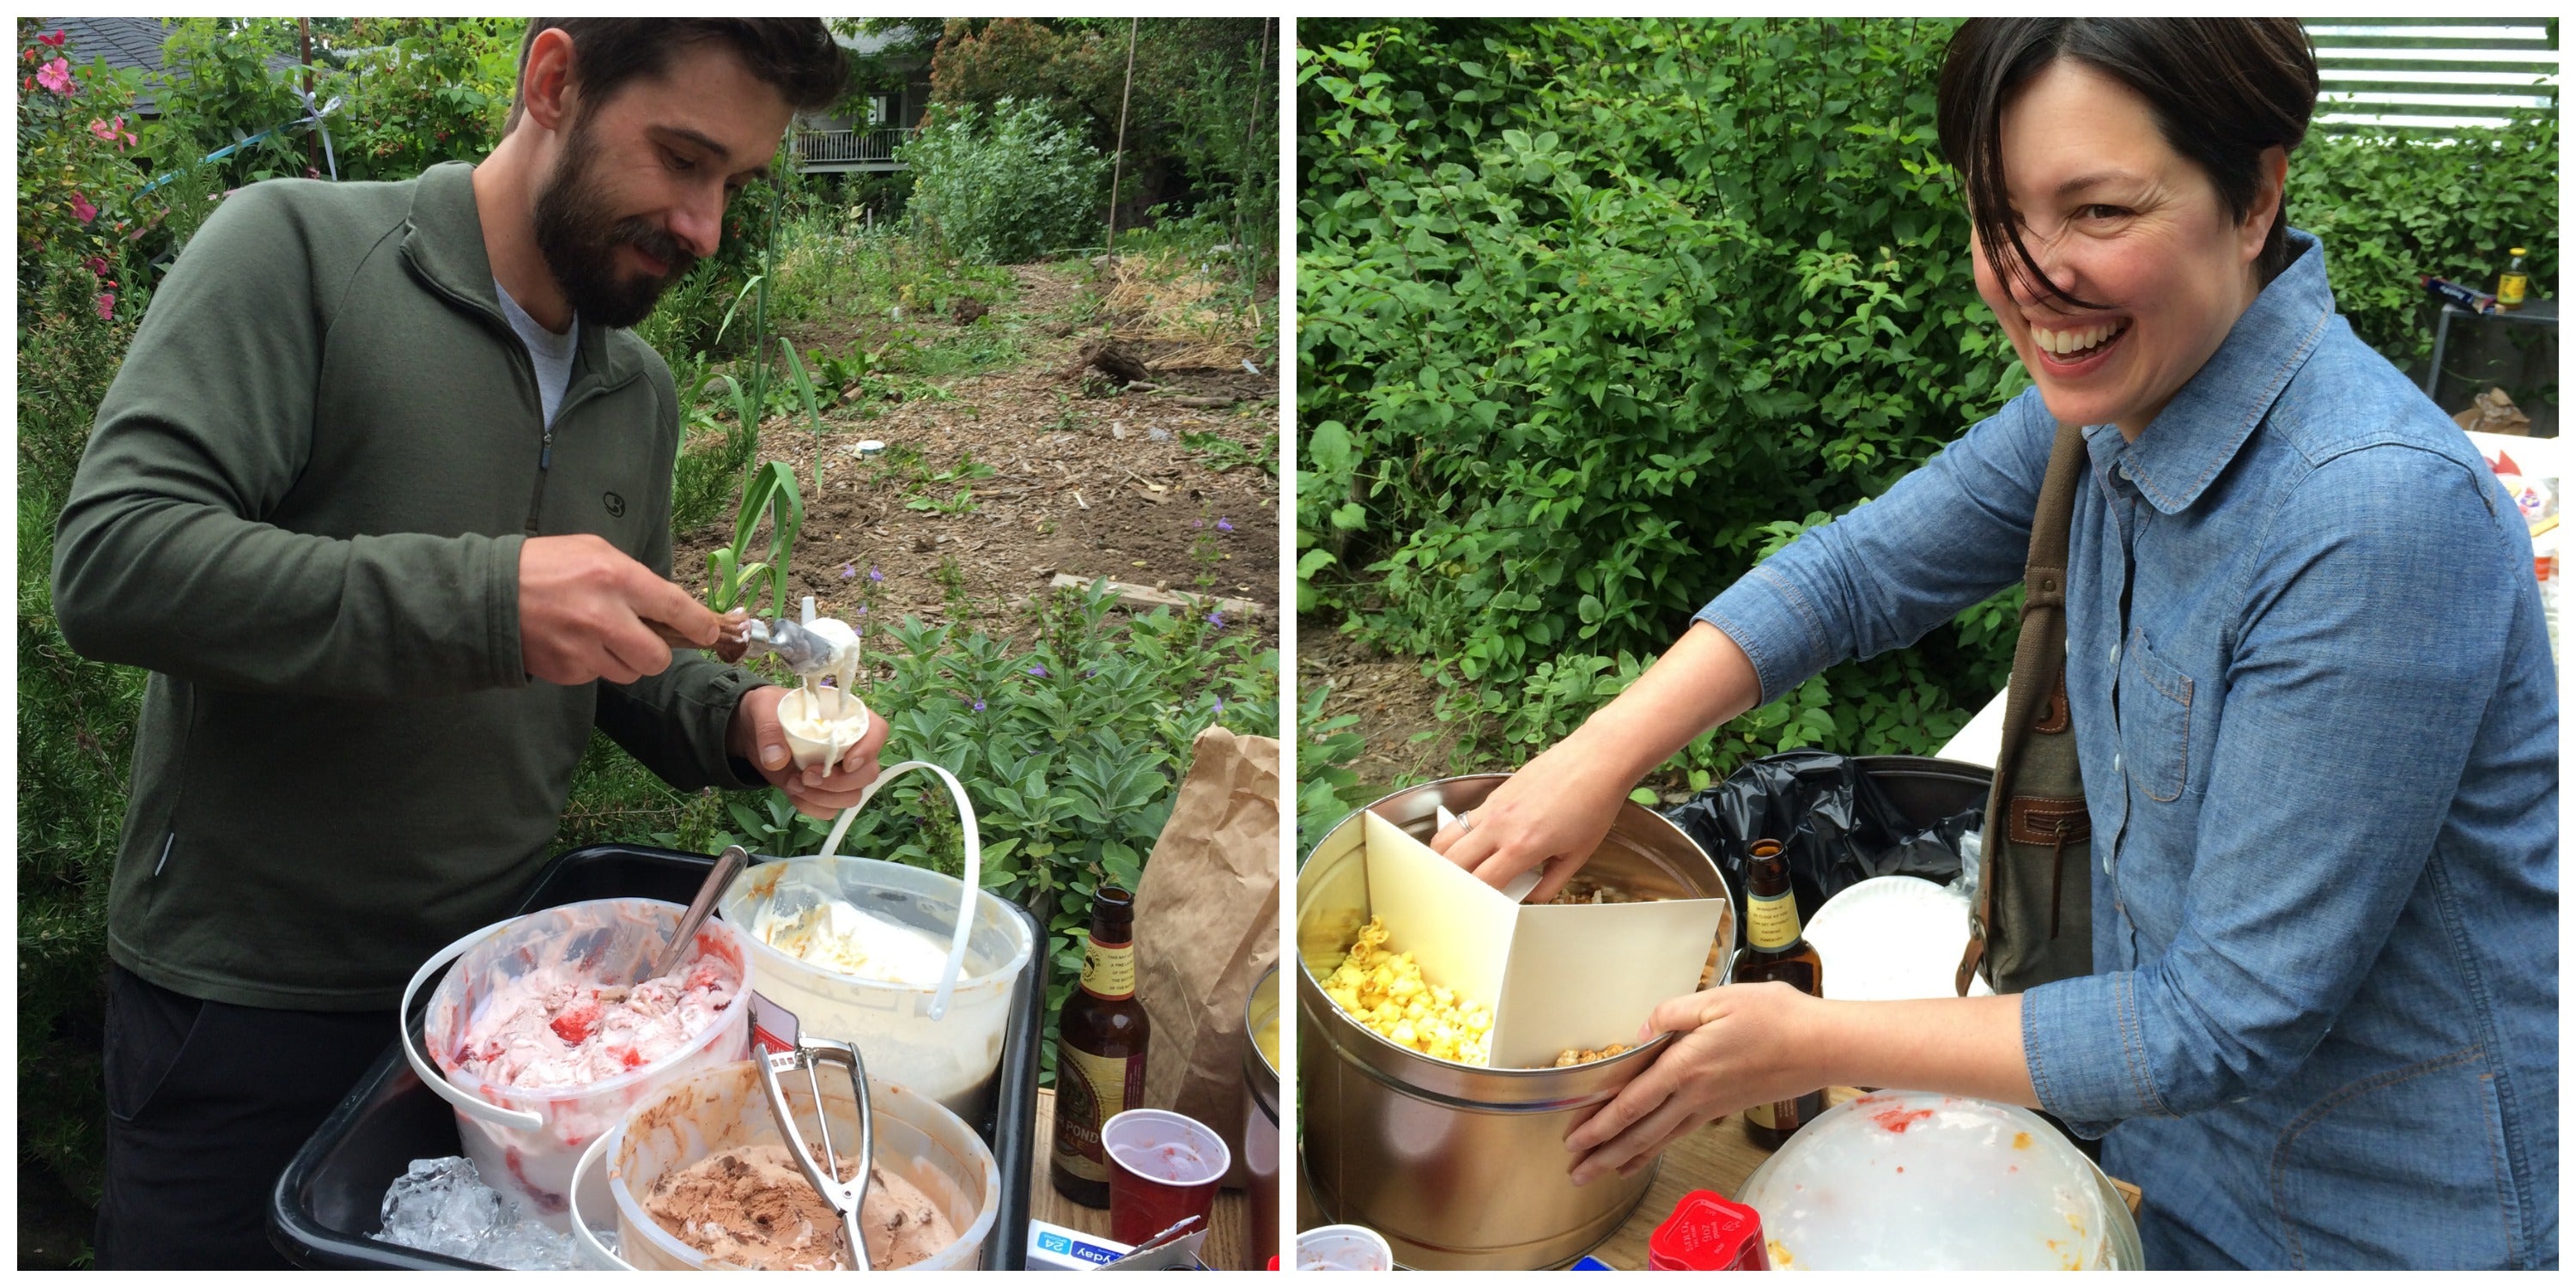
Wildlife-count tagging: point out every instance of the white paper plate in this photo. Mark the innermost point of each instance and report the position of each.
(1888, 939)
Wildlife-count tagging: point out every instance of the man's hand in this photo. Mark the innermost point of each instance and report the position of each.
(820, 792)
(588, 612)
(1744, 1044)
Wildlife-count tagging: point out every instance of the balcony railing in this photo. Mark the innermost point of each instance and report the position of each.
(873, 146)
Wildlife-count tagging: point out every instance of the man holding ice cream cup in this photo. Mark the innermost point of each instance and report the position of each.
(381, 498)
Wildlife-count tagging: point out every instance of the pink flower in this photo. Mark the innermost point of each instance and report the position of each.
(57, 76)
(114, 132)
(82, 208)
(96, 264)
(55, 40)
(107, 306)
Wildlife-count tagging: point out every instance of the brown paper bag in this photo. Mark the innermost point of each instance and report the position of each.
(2493, 412)
(1207, 926)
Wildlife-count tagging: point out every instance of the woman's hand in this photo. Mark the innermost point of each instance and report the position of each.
(1554, 811)
(1744, 1044)
(1558, 807)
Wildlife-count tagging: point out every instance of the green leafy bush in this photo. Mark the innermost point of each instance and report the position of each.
(2392, 209)
(1589, 310)
(1004, 186)
(422, 91)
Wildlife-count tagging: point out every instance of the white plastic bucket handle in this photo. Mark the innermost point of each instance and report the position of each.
(515, 1119)
(597, 1253)
(974, 866)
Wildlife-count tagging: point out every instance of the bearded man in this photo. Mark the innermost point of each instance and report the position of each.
(381, 498)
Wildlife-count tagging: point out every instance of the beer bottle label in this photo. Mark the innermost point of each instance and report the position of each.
(1091, 1090)
(2510, 291)
(1771, 921)
(1109, 970)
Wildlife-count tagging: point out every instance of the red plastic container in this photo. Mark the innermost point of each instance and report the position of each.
(1706, 1232)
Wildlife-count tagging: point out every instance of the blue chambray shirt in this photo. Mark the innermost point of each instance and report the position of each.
(2320, 748)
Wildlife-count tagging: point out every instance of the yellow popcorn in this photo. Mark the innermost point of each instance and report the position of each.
(1387, 994)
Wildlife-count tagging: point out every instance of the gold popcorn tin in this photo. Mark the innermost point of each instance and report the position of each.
(1459, 1167)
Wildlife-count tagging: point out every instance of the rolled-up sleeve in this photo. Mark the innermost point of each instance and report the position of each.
(1945, 537)
(2352, 698)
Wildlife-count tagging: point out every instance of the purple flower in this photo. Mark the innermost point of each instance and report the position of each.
(1216, 620)
(1223, 526)
(1090, 673)
(1198, 523)
(848, 571)
(874, 575)
(1220, 706)
(1039, 671)
(979, 706)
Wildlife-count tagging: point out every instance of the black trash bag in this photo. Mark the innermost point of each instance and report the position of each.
(1836, 825)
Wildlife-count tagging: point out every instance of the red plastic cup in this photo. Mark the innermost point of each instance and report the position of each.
(1162, 1167)
(1706, 1232)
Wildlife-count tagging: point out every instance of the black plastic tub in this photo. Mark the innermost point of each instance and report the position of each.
(324, 1211)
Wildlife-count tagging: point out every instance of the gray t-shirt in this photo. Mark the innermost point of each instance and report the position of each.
(551, 352)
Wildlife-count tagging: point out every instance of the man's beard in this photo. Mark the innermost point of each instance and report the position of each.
(579, 236)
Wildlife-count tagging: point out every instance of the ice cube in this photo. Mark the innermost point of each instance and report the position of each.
(527, 1244)
(440, 1205)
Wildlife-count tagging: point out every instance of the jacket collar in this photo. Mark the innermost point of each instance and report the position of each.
(2215, 412)
(443, 243)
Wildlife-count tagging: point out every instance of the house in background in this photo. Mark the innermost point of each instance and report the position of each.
(127, 44)
(832, 144)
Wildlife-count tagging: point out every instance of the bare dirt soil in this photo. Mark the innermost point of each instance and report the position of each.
(1395, 702)
(1086, 482)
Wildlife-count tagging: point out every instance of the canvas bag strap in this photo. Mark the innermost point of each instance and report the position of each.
(2034, 701)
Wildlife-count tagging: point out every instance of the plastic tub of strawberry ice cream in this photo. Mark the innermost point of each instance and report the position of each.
(543, 1036)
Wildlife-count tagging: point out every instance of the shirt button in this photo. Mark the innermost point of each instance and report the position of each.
(2106, 871)
(2115, 653)
(2115, 762)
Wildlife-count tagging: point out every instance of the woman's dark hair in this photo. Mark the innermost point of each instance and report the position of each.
(796, 56)
(2221, 90)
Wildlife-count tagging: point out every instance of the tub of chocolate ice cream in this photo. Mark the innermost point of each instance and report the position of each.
(545, 1034)
(700, 1179)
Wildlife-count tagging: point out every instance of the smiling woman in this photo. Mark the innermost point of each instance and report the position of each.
(2306, 671)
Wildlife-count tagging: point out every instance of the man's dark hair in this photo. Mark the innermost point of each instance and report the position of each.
(797, 56)
(2221, 90)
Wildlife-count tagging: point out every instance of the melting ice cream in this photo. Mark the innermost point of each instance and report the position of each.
(751, 1207)
(552, 1028)
(838, 937)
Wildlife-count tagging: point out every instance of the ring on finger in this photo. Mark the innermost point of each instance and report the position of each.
(1466, 823)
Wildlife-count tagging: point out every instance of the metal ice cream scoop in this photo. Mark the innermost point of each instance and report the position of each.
(802, 650)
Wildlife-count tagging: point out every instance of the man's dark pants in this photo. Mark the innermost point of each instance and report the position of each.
(206, 1103)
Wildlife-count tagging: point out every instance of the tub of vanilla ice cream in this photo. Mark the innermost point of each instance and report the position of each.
(547, 1031)
(860, 950)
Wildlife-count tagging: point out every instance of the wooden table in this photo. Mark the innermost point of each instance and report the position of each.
(1229, 1241)
(1716, 1157)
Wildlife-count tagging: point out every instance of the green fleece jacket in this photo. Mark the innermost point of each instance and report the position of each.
(301, 510)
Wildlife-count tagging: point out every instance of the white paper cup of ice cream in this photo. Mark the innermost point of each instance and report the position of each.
(805, 716)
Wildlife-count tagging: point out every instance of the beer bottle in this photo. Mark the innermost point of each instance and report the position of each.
(1776, 949)
(2514, 283)
(1099, 1052)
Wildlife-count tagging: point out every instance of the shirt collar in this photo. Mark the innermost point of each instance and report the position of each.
(2211, 416)
(444, 243)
